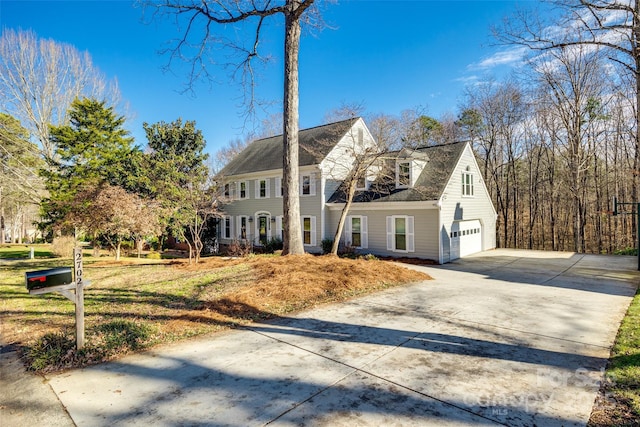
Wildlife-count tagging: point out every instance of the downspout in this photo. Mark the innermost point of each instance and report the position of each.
(440, 253)
(322, 204)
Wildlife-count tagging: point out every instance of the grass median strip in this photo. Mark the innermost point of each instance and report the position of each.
(136, 304)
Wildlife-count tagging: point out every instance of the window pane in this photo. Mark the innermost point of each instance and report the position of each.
(401, 241)
(355, 225)
(306, 184)
(243, 227)
(355, 239)
(306, 227)
(404, 174)
(263, 188)
(262, 228)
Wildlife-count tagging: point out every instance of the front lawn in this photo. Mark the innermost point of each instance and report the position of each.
(24, 251)
(619, 402)
(136, 304)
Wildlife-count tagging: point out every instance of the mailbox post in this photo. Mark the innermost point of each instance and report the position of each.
(60, 280)
(77, 261)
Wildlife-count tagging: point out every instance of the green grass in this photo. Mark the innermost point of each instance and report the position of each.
(24, 251)
(623, 372)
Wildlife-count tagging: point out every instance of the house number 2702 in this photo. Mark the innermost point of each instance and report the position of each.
(77, 255)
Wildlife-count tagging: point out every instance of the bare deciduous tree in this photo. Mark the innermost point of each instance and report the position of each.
(611, 26)
(39, 79)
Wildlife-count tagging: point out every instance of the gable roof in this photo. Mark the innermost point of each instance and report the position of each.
(267, 153)
(440, 162)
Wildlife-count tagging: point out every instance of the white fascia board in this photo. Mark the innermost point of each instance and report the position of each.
(385, 206)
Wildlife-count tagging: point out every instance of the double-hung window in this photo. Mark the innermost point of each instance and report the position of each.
(355, 232)
(262, 189)
(243, 190)
(307, 185)
(309, 230)
(403, 174)
(400, 233)
(227, 229)
(467, 183)
(361, 181)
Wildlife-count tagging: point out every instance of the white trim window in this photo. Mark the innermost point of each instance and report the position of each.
(228, 189)
(243, 226)
(361, 181)
(309, 230)
(467, 183)
(262, 188)
(400, 233)
(242, 190)
(279, 189)
(403, 174)
(355, 232)
(227, 227)
(308, 185)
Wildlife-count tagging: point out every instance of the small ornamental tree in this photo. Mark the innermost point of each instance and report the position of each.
(111, 213)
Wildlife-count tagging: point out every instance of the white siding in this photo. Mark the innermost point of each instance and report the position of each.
(455, 207)
(337, 164)
(424, 230)
(309, 205)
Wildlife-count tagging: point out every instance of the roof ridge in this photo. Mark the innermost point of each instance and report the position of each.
(424, 147)
(311, 128)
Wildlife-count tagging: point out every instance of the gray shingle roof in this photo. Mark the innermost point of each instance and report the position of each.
(266, 154)
(429, 186)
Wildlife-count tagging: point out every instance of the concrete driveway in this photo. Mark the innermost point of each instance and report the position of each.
(504, 337)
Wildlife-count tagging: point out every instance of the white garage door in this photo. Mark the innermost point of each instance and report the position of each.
(466, 238)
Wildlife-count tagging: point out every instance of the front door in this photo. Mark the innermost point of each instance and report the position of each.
(263, 224)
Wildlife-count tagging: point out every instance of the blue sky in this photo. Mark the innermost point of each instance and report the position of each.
(387, 55)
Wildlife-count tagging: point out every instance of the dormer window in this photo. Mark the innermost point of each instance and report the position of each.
(467, 183)
(403, 174)
(361, 181)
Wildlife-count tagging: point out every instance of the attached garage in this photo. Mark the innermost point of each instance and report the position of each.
(466, 238)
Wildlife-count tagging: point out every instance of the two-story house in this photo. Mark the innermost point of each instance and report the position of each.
(427, 203)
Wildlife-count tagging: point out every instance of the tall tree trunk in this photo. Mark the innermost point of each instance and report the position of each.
(292, 244)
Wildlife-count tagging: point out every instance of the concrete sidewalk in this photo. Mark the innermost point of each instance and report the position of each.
(504, 337)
